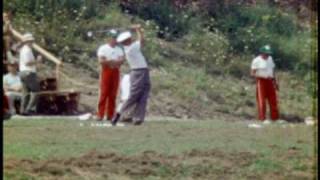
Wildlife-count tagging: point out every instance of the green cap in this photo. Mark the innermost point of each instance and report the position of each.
(266, 49)
(113, 33)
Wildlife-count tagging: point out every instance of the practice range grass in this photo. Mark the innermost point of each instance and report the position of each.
(278, 151)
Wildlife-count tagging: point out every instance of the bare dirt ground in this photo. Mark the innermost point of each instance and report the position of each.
(160, 103)
(196, 164)
(96, 164)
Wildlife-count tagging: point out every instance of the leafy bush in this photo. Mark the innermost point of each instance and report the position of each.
(51, 8)
(210, 48)
(249, 28)
(172, 23)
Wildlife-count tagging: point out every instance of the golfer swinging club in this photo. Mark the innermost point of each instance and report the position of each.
(139, 76)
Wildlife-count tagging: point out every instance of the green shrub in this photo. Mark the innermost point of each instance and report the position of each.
(172, 23)
(249, 28)
(209, 49)
(51, 8)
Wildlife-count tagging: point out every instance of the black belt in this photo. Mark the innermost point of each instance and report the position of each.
(139, 69)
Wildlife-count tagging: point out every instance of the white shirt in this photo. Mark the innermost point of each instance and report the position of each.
(110, 53)
(25, 57)
(12, 80)
(134, 56)
(264, 68)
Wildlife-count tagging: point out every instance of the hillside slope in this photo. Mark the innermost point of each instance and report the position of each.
(197, 71)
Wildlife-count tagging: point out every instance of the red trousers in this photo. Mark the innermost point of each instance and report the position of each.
(266, 91)
(109, 82)
(5, 105)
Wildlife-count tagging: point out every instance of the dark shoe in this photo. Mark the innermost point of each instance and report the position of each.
(126, 120)
(26, 114)
(137, 123)
(115, 119)
(6, 116)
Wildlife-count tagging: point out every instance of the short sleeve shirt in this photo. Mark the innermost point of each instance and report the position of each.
(134, 56)
(11, 80)
(110, 53)
(264, 68)
(25, 57)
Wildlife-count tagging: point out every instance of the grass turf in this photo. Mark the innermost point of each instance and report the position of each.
(214, 147)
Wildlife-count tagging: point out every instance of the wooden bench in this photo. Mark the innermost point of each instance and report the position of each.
(62, 102)
(53, 101)
(56, 102)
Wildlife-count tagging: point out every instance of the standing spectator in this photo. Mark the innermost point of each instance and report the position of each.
(6, 39)
(139, 76)
(12, 85)
(6, 31)
(110, 57)
(262, 68)
(28, 75)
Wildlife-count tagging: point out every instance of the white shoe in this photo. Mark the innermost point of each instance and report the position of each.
(281, 121)
(267, 122)
(120, 124)
(254, 125)
(107, 124)
(95, 118)
(85, 117)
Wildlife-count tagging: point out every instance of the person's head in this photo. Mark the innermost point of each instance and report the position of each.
(13, 67)
(113, 34)
(27, 39)
(265, 51)
(5, 17)
(125, 38)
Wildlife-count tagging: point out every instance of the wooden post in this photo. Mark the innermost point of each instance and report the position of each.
(39, 49)
(57, 75)
(43, 52)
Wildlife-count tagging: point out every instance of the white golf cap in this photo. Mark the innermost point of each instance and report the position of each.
(27, 37)
(124, 36)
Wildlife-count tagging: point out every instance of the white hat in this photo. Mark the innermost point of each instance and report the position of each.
(27, 37)
(124, 36)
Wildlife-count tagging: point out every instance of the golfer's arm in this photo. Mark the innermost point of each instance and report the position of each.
(140, 36)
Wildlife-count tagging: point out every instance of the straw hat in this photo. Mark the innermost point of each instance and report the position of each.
(27, 37)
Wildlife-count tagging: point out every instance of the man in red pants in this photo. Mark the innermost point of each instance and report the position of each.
(262, 68)
(110, 57)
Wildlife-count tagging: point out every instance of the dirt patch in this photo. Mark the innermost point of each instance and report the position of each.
(194, 164)
(213, 164)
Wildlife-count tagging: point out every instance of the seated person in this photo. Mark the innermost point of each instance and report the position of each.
(12, 85)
